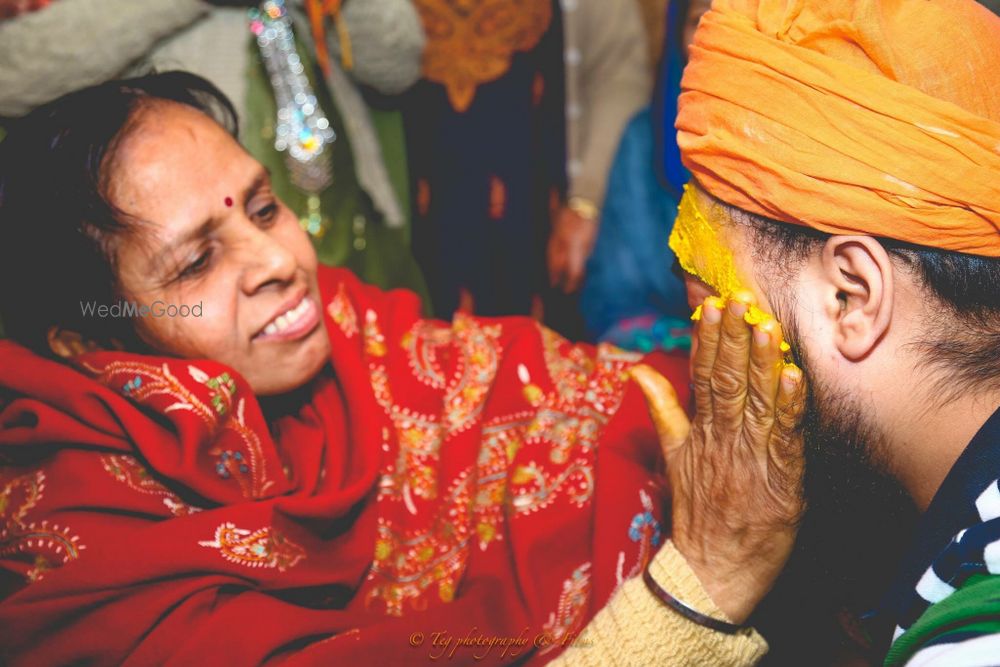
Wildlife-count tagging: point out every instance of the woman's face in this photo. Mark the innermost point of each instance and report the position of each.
(209, 231)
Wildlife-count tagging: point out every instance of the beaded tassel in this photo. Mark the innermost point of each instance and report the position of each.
(303, 132)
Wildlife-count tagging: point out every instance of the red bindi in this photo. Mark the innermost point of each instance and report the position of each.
(229, 202)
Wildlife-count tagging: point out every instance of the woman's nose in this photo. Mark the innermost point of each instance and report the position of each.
(265, 261)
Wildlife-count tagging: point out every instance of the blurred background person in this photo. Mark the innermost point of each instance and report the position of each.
(630, 295)
(608, 78)
(486, 144)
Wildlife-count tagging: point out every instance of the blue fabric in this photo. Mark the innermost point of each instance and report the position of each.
(629, 273)
(671, 171)
(629, 279)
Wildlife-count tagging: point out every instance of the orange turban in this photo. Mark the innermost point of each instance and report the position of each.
(876, 117)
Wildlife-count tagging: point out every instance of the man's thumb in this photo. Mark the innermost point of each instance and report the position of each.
(668, 416)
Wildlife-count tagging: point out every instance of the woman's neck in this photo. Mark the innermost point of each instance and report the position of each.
(291, 402)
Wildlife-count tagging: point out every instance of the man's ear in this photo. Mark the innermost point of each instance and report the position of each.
(67, 344)
(860, 302)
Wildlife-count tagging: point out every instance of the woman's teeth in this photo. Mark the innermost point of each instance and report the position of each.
(286, 319)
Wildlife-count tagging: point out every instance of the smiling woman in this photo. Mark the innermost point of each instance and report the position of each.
(159, 221)
(399, 467)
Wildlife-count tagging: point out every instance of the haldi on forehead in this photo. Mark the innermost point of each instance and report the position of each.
(697, 242)
(701, 252)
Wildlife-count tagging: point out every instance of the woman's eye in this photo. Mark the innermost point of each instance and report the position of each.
(266, 213)
(198, 266)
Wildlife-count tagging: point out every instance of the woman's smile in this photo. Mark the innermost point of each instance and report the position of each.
(292, 323)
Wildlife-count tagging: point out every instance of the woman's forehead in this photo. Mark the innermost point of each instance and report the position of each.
(174, 156)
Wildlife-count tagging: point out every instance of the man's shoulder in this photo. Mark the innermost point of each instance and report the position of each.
(961, 630)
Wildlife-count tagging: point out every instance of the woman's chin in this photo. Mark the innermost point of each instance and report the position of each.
(292, 372)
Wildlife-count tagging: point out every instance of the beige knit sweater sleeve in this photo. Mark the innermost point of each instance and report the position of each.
(635, 629)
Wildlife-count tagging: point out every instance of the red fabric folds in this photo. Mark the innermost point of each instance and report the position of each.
(480, 479)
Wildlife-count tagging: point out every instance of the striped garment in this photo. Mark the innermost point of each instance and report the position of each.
(945, 604)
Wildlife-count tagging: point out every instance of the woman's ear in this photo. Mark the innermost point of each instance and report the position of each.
(67, 344)
(860, 280)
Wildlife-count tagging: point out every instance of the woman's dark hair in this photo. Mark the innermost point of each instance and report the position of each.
(57, 226)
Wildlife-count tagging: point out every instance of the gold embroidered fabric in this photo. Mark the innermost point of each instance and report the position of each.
(470, 42)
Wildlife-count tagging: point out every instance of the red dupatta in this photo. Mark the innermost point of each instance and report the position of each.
(479, 481)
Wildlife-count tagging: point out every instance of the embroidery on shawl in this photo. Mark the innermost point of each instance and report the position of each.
(50, 544)
(477, 352)
(127, 470)
(562, 436)
(564, 623)
(233, 462)
(425, 343)
(478, 358)
(644, 529)
(501, 440)
(147, 383)
(264, 547)
(411, 565)
(471, 42)
(342, 312)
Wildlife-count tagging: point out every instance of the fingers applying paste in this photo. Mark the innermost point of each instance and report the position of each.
(704, 357)
(762, 385)
(729, 375)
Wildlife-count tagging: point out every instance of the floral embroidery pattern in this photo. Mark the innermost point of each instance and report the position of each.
(500, 445)
(535, 489)
(51, 544)
(573, 602)
(223, 389)
(470, 42)
(374, 340)
(263, 547)
(145, 383)
(342, 312)
(644, 529)
(525, 460)
(420, 436)
(567, 423)
(128, 471)
(408, 563)
(20, 495)
(479, 354)
(423, 344)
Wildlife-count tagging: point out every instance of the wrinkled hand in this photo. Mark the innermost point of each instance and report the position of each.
(570, 245)
(736, 475)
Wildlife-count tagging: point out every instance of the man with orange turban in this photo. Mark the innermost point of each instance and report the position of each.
(846, 163)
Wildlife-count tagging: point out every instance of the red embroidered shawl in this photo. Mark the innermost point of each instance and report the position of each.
(484, 479)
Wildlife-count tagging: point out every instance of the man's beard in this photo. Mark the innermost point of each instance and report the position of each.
(858, 516)
(857, 523)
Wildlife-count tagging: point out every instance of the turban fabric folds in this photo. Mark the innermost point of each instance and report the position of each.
(876, 117)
